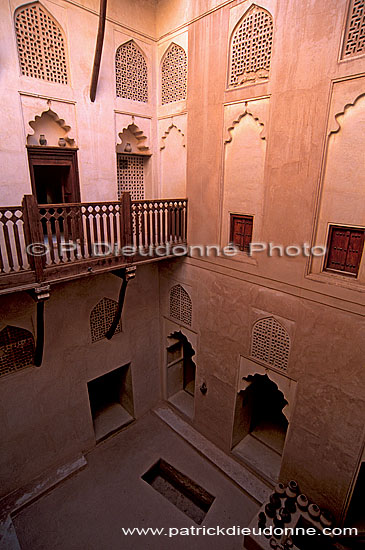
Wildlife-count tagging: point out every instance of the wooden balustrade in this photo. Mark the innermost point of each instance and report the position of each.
(39, 240)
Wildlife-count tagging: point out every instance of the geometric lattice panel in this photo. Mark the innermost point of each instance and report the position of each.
(354, 43)
(174, 74)
(16, 349)
(131, 73)
(102, 317)
(251, 45)
(41, 45)
(181, 307)
(130, 176)
(270, 343)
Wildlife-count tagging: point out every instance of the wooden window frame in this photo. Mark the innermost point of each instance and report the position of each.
(331, 230)
(244, 218)
(53, 156)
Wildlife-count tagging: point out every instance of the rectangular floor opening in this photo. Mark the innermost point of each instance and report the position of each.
(180, 490)
(111, 401)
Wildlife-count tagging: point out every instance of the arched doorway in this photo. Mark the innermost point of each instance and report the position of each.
(180, 373)
(260, 425)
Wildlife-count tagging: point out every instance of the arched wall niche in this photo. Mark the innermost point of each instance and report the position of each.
(341, 200)
(52, 127)
(136, 138)
(287, 386)
(173, 163)
(244, 164)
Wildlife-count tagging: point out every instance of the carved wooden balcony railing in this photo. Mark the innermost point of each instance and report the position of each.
(54, 242)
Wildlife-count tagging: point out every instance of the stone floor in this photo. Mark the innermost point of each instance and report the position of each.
(89, 510)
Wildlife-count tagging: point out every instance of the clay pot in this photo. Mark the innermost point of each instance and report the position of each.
(273, 543)
(280, 489)
(326, 518)
(290, 505)
(275, 500)
(262, 519)
(302, 502)
(270, 511)
(278, 522)
(292, 489)
(285, 515)
(314, 511)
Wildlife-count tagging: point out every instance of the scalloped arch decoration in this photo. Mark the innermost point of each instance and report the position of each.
(166, 134)
(41, 44)
(50, 117)
(238, 119)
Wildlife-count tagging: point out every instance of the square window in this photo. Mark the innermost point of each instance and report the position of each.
(241, 231)
(344, 249)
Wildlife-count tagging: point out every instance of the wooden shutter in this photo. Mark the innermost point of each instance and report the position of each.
(345, 247)
(241, 231)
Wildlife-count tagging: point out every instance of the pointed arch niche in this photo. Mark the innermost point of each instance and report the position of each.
(263, 412)
(244, 162)
(173, 157)
(131, 72)
(174, 72)
(342, 198)
(133, 165)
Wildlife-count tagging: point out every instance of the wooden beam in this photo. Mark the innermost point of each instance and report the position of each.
(126, 275)
(98, 50)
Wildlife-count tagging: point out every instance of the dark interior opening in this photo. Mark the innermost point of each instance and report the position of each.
(51, 183)
(268, 423)
(180, 490)
(111, 401)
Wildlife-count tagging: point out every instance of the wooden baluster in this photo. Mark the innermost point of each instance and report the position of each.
(108, 229)
(95, 226)
(33, 233)
(126, 219)
(8, 247)
(66, 232)
(50, 238)
(88, 232)
(158, 213)
(18, 247)
(101, 222)
(58, 235)
(2, 270)
(163, 210)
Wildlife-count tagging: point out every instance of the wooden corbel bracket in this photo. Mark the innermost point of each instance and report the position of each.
(126, 275)
(40, 295)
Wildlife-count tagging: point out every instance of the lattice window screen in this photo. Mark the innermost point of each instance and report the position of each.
(251, 46)
(270, 343)
(102, 317)
(130, 175)
(354, 43)
(16, 349)
(41, 45)
(180, 305)
(174, 74)
(131, 73)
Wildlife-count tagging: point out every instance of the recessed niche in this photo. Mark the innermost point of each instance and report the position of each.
(111, 401)
(180, 490)
(181, 374)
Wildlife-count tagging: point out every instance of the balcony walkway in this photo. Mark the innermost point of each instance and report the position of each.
(43, 244)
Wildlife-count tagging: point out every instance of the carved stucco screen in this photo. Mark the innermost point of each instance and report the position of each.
(354, 43)
(16, 349)
(130, 176)
(180, 305)
(174, 75)
(102, 317)
(41, 45)
(251, 45)
(270, 343)
(131, 73)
